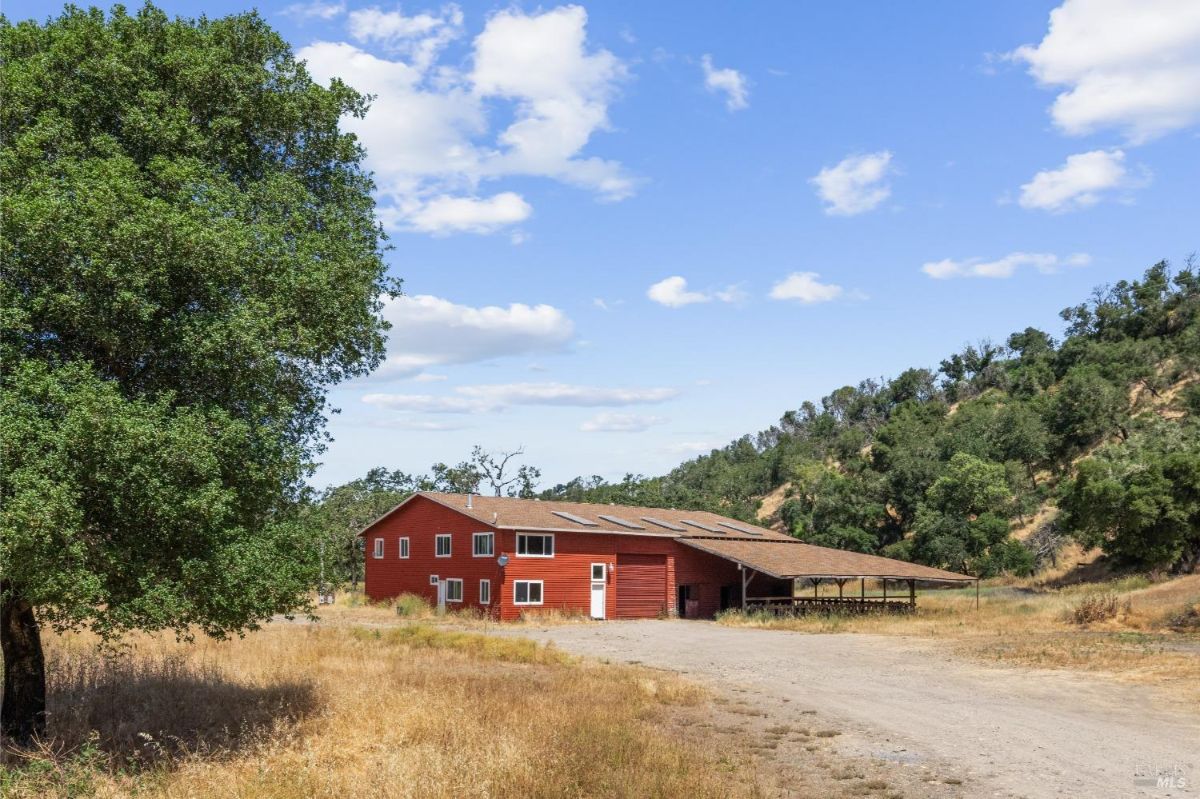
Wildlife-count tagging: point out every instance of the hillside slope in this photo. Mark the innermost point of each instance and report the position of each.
(1039, 436)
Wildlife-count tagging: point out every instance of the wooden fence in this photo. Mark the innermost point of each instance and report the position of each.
(798, 606)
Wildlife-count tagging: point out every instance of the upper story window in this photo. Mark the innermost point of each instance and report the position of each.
(483, 545)
(404, 547)
(535, 546)
(442, 544)
(378, 548)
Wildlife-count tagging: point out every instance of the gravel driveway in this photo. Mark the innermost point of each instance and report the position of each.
(1003, 731)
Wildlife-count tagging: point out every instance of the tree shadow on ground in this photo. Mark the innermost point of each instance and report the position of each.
(158, 709)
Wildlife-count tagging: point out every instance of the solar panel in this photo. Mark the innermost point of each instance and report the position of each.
(571, 517)
(620, 521)
(661, 523)
(739, 528)
(703, 526)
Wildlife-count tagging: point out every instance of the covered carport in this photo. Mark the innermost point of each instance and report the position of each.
(772, 572)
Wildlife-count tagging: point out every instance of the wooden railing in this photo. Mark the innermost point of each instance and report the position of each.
(796, 606)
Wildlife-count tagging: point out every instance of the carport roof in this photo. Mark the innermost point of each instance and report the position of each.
(789, 559)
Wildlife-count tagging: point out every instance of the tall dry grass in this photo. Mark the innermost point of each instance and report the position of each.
(415, 711)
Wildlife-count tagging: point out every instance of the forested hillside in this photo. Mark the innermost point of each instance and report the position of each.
(941, 466)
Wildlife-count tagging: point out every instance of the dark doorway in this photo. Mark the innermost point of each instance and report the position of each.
(684, 593)
(727, 596)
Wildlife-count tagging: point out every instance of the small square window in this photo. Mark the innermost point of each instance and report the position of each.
(378, 548)
(483, 545)
(443, 546)
(404, 547)
(485, 592)
(433, 579)
(597, 571)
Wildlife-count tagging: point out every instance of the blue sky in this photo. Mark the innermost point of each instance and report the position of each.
(630, 232)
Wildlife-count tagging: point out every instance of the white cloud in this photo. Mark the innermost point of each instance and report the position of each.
(419, 39)
(1045, 263)
(430, 331)
(431, 137)
(497, 397)
(314, 10)
(1133, 65)
(857, 184)
(806, 288)
(673, 293)
(1078, 183)
(609, 422)
(444, 215)
(428, 377)
(729, 82)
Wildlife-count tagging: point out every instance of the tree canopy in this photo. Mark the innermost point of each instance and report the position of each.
(191, 259)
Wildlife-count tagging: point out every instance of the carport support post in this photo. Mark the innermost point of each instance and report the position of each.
(841, 584)
(912, 593)
(977, 593)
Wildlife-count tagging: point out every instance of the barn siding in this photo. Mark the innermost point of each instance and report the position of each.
(421, 520)
(566, 577)
(706, 574)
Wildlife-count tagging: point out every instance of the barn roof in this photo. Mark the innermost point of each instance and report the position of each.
(757, 548)
(512, 513)
(788, 559)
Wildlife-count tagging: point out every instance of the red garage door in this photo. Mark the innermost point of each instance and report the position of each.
(641, 586)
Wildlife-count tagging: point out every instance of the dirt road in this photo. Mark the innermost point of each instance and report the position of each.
(1002, 731)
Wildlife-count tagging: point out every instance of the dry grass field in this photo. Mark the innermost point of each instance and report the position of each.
(345, 710)
(1130, 628)
(296, 711)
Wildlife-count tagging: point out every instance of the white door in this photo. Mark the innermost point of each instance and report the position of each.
(441, 596)
(597, 600)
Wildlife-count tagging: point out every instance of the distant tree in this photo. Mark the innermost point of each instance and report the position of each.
(190, 260)
(1086, 408)
(494, 467)
(1141, 502)
(1019, 434)
(461, 479)
(836, 510)
(341, 512)
(963, 523)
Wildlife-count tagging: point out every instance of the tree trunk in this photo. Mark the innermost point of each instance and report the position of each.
(23, 708)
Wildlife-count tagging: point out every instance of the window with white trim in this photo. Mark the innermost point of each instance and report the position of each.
(485, 592)
(527, 592)
(597, 571)
(535, 546)
(442, 544)
(453, 590)
(404, 547)
(483, 545)
(378, 548)
(433, 579)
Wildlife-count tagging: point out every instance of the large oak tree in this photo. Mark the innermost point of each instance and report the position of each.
(190, 259)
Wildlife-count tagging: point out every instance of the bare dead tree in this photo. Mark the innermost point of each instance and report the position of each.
(495, 466)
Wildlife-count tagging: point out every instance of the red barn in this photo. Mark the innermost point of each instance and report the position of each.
(510, 556)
